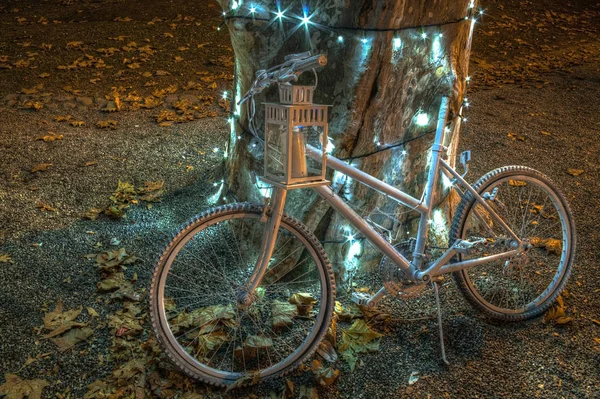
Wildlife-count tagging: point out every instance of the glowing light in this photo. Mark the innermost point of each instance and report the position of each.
(218, 28)
(216, 149)
(396, 43)
(468, 79)
(404, 152)
(350, 237)
(441, 35)
(481, 12)
(364, 40)
(330, 146)
(465, 120)
(446, 181)
(377, 143)
(467, 104)
(279, 14)
(234, 5)
(253, 145)
(340, 39)
(472, 4)
(224, 13)
(305, 20)
(252, 9)
(422, 119)
(424, 35)
(225, 94)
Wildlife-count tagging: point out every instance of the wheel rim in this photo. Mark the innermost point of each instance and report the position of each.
(536, 214)
(258, 340)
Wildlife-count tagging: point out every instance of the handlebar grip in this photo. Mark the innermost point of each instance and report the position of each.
(311, 63)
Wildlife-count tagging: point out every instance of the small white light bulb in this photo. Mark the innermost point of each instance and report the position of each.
(216, 149)
(404, 152)
(279, 14)
(305, 20)
(424, 35)
(422, 119)
(341, 39)
(396, 43)
(364, 40)
(252, 9)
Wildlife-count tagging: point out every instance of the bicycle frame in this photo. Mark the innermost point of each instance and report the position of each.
(413, 269)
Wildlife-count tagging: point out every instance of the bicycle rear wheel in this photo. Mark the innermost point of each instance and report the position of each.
(195, 297)
(526, 285)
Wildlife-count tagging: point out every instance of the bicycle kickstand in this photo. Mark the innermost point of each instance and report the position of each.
(439, 312)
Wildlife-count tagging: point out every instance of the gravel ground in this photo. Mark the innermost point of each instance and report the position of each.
(487, 360)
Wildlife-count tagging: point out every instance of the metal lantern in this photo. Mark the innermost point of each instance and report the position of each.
(291, 126)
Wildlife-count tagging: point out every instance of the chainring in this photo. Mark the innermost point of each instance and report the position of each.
(396, 282)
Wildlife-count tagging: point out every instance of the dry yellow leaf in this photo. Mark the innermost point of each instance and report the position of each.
(41, 167)
(574, 172)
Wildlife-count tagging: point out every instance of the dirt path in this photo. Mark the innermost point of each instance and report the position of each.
(42, 231)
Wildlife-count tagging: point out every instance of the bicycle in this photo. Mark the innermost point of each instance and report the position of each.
(244, 292)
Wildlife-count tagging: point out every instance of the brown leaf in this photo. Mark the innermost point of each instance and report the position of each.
(108, 124)
(45, 207)
(72, 338)
(92, 214)
(41, 167)
(90, 163)
(16, 388)
(5, 258)
(545, 133)
(574, 172)
(51, 136)
(324, 375)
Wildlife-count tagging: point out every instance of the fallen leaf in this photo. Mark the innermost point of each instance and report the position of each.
(45, 207)
(58, 321)
(72, 338)
(574, 172)
(283, 313)
(517, 183)
(51, 136)
(92, 214)
(90, 163)
(16, 388)
(545, 133)
(324, 375)
(304, 301)
(108, 124)
(41, 167)
(92, 312)
(77, 123)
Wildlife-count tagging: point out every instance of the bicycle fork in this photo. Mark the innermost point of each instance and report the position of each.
(246, 296)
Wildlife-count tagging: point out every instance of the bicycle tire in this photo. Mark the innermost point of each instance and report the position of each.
(520, 176)
(165, 329)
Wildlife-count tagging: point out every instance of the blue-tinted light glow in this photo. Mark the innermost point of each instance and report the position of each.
(396, 43)
(341, 39)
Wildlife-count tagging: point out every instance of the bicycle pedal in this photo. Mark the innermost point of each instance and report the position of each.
(361, 298)
(468, 247)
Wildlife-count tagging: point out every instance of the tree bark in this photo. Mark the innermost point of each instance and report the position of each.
(377, 90)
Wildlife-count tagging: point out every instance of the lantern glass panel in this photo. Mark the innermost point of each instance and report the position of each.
(276, 151)
(304, 167)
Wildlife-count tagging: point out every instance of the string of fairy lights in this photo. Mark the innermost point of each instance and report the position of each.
(278, 16)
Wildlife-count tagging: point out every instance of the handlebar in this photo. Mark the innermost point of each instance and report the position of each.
(294, 65)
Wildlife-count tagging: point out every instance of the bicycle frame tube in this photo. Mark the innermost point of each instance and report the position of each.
(269, 239)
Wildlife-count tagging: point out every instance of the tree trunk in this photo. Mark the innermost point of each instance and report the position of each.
(378, 86)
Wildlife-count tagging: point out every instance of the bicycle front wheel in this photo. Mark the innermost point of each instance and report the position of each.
(526, 285)
(195, 306)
